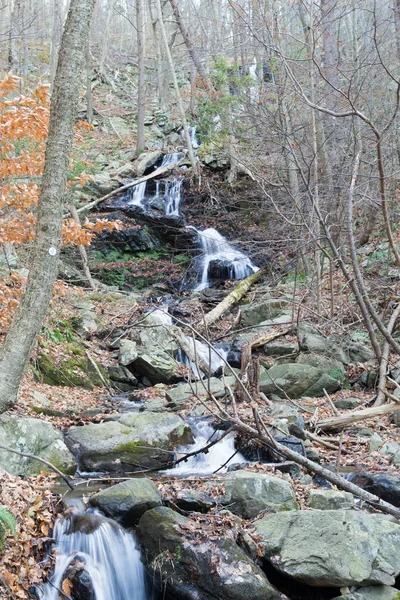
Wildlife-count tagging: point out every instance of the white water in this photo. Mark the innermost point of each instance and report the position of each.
(137, 194)
(111, 559)
(215, 247)
(218, 455)
(173, 194)
(170, 159)
(203, 352)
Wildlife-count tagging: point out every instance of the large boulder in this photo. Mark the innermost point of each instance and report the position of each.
(386, 487)
(210, 569)
(178, 395)
(128, 501)
(311, 340)
(35, 437)
(297, 380)
(255, 313)
(330, 499)
(137, 440)
(247, 494)
(333, 548)
(158, 366)
(147, 161)
(75, 371)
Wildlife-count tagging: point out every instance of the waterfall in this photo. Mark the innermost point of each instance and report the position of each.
(172, 196)
(137, 194)
(206, 464)
(219, 255)
(170, 159)
(203, 351)
(110, 556)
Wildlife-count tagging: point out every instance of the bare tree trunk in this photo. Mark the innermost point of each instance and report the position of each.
(141, 91)
(13, 36)
(14, 353)
(89, 99)
(177, 91)
(82, 249)
(55, 38)
(189, 45)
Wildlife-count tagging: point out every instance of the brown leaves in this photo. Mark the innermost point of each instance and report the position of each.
(33, 506)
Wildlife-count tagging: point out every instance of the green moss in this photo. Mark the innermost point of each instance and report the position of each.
(130, 446)
(73, 372)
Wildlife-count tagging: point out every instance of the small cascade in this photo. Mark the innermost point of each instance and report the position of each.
(109, 555)
(170, 159)
(136, 194)
(173, 193)
(220, 260)
(203, 351)
(223, 453)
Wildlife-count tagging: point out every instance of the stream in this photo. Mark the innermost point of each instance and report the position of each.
(108, 554)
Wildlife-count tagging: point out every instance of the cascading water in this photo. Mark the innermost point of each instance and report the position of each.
(217, 251)
(172, 196)
(108, 553)
(137, 194)
(208, 355)
(170, 159)
(221, 455)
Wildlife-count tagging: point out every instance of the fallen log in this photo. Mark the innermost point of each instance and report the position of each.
(360, 415)
(232, 298)
(156, 173)
(190, 352)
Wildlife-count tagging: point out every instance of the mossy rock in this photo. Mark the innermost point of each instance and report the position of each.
(75, 371)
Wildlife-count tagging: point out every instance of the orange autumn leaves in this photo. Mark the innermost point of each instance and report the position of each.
(24, 122)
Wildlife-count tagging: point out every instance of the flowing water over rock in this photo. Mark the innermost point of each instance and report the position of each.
(215, 360)
(110, 557)
(220, 260)
(218, 458)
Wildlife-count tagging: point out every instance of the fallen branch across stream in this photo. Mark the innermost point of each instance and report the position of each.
(232, 298)
(156, 173)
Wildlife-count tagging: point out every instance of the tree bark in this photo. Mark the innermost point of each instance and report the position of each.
(235, 295)
(189, 45)
(141, 91)
(177, 91)
(14, 353)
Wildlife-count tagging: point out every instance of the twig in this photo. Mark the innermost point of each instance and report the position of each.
(96, 368)
(333, 407)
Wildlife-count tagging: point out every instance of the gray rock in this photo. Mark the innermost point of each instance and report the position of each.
(392, 449)
(330, 499)
(40, 398)
(178, 395)
(128, 352)
(311, 340)
(103, 183)
(333, 548)
(347, 403)
(136, 440)
(158, 366)
(255, 313)
(35, 437)
(371, 592)
(313, 455)
(126, 171)
(334, 368)
(128, 501)
(375, 442)
(297, 380)
(192, 500)
(121, 375)
(146, 161)
(395, 419)
(211, 568)
(247, 493)
(158, 404)
(280, 349)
